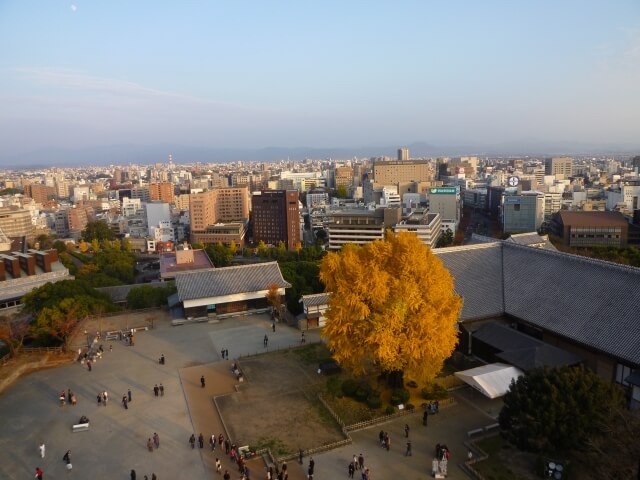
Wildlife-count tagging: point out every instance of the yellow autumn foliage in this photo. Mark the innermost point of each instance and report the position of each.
(393, 306)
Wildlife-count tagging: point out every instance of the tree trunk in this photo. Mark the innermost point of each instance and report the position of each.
(395, 379)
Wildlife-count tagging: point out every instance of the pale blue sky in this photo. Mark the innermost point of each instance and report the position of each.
(234, 73)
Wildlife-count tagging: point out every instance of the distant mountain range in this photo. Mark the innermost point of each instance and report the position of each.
(146, 154)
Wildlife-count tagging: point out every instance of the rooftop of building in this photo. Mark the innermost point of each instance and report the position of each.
(593, 219)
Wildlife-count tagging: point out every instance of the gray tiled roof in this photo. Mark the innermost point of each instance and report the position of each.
(315, 300)
(532, 239)
(229, 280)
(589, 301)
(504, 338)
(541, 356)
(477, 273)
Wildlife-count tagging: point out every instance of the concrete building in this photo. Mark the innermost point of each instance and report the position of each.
(591, 229)
(16, 222)
(394, 172)
(446, 202)
(403, 154)
(360, 226)
(20, 273)
(157, 212)
(426, 226)
(343, 177)
(522, 212)
(217, 206)
(224, 233)
(276, 217)
(552, 204)
(561, 167)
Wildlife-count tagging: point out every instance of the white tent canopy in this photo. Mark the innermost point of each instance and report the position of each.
(492, 380)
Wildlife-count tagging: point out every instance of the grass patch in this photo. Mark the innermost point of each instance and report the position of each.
(312, 354)
(495, 467)
(275, 445)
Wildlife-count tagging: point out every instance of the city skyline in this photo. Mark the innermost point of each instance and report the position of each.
(131, 78)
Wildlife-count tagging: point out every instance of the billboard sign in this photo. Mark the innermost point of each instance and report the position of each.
(444, 190)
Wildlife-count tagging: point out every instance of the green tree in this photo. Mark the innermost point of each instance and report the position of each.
(304, 277)
(95, 245)
(60, 246)
(262, 249)
(127, 245)
(59, 322)
(220, 255)
(446, 238)
(97, 230)
(45, 242)
(51, 294)
(393, 306)
(197, 246)
(551, 410)
(275, 299)
(147, 296)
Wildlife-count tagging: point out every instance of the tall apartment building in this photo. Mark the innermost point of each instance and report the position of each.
(552, 204)
(276, 217)
(403, 154)
(71, 221)
(394, 172)
(162, 191)
(220, 205)
(561, 167)
(40, 193)
(446, 201)
(360, 226)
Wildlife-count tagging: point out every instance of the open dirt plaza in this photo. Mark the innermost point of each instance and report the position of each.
(275, 402)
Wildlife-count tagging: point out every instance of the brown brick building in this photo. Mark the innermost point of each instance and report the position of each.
(162, 191)
(591, 229)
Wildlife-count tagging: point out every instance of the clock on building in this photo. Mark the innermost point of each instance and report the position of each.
(513, 181)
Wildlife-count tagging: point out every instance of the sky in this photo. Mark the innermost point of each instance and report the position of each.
(251, 74)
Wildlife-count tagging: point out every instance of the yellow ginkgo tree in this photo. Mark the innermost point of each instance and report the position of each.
(393, 307)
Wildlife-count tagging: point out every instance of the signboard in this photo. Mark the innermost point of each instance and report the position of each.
(443, 190)
(512, 199)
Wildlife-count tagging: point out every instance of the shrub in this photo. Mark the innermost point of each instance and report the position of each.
(374, 401)
(389, 410)
(412, 384)
(349, 387)
(434, 391)
(362, 392)
(410, 406)
(333, 386)
(400, 395)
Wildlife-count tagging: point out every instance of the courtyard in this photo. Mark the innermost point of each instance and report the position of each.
(275, 406)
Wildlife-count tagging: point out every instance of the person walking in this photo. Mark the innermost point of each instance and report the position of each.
(265, 341)
(201, 441)
(105, 397)
(212, 442)
(129, 394)
(161, 387)
(125, 402)
(425, 417)
(361, 461)
(156, 440)
(156, 389)
(41, 448)
(312, 465)
(133, 474)
(192, 441)
(99, 398)
(406, 430)
(408, 452)
(202, 381)
(302, 339)
(89, 365)
(351, 469)
(226, 475)
(162, 359)
(150, 445)
(273, 327)
(67, 457)
(39, 473)
(218, 466)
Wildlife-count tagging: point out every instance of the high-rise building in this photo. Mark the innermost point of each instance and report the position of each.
(561, 167)
(394, 172)
(446, 202)
(162, 191)
(343, 177)
(403, 154)
(275, 217)
(220, 205)
(16, 222)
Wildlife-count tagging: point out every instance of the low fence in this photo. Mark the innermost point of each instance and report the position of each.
(42, 349)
